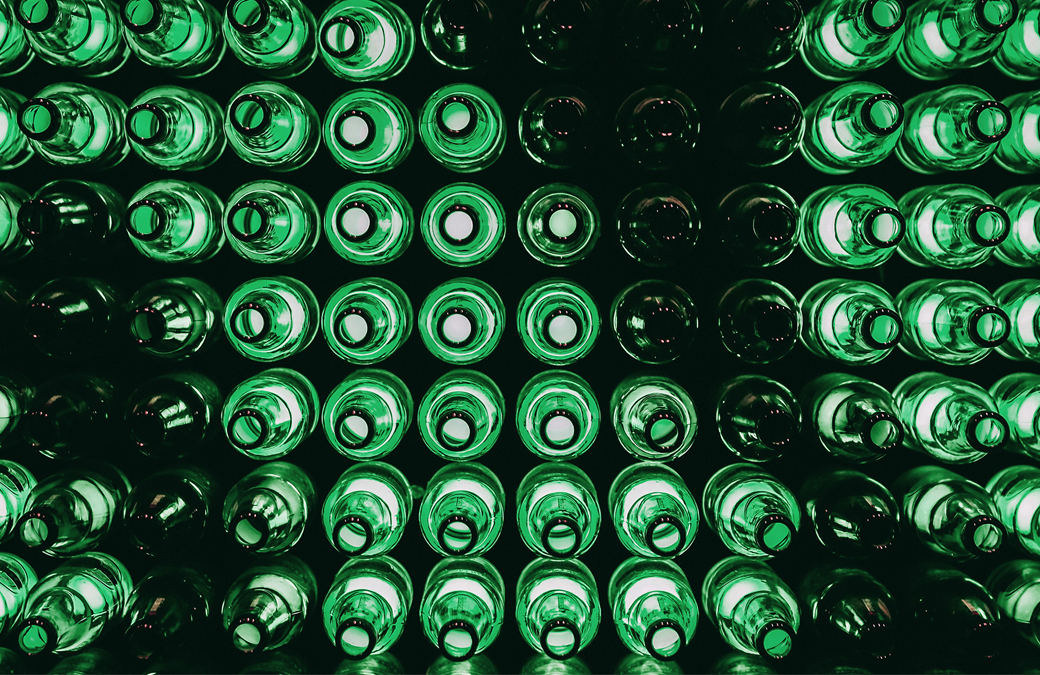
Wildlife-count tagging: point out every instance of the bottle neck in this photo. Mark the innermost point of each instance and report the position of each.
(561, 120)
(261, 221)
(166, 615)
(765, 419)
(260, 619)
(361, 617)
(767, 626)
(262, 319)
(770, 224)
(872, 325)
(167, 320)
(60, 619)
(68, 418)
(865, 621)
(968, 425)
(872, 226)
(875, 116)
(660, 520)
(64, 122)
(163, 218)
(263, 519)
(262, 120)
(978, 124)
(877, 20)
(864, 422)
(161, 519)
(460, 519)
(462, 621)
(762, 521)
(163, 125)
(359, 521)
(559, 522)
(559, 619)
(860, 521)
(969, 528)
(767, 319)
(773, 117)
(164, 418)
(57, 24)
(157, 26)
(73, 210)
(260, 26)
(262, 418)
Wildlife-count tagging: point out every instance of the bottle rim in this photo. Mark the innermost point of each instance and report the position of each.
(971, 530)
(655, 445)
(161, 122)
(45, 23)
(547, 531)
(370, 127)
(259, 101)
(986, 417)
(159, 213)
(543, 428)
(50, 635)
(547, 328)
(262, 430)
(975, 121)
(353, 519)
(871, 235)
(257, 208)
(442, 225)
(147, 637)
(263, 16)
(366, 627)
(454, 625)
(867, 329)
(239, 311)
(556, 624)
(442, 124)
(763, 527)
(984, 22)
(53, 124)
(568, 113)
(262, 634)
(578, 235)
(148, 26)
(442, 534)
(882, 416)
(982, 211)
(370, 428)
(654, 628)
(442, 435)
(872, 23)
(362, 314)
(650, 541)
(355, 28)
(760, 640)
(361, 205)
(442, 334)
(46, 517)
(867, 118)
(976, 318)
(776, 428)
(156, 323)
(257, 522)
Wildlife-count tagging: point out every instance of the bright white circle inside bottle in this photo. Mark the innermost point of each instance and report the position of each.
(560, 430)
(354, 429)
(457, 328)
(456, 432)
(352, 537)
(459, 225)
(458, 537)
(355, 222)
(885, 227)
(354, 130)
(666, 641)
(246, 637)
(458, 642)
(456, 116)
(354, 328)
(560, 640)
(562, 223)
(563, 329)
(355, 640)
(246, 532)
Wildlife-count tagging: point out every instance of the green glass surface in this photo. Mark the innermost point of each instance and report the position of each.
(850, 127)
(557, 511)
(368, 131)
(759, 36)
(70, 417)
(951, 609)
(71, 317)
(654, 417)
(267, 415)
(557, 415)
(658, 224)
(14, 245)
(169, 416)
(175, 221)
(463, 224)
(1019, 53)
(654, 609)
(1021, 300)
(654, 320)
(17, 578)
(759, 321)
(1015, 491)
(558, 224)
(758, 225)
(952, 226)
(758, 418)
(71, 124)
(754, 514)
(270, 125)
(15, 148)
(271, 222)
(558, 321)
(182, 36)
(1017, 151)
(851, 321)
(949, 514)
(557, 609)
(266, 511)
(462, 610)
(367, 320)
(1021, 248)
(367, 414)
(1015, 587)
(855, 419)
(69, 219)
(763, 123)
(658, 36)
(1017, 397)
(175, 128)
(168, 609)
(558, 126)
(369, 223)
(462, 511)
(853, 515)
(944, 36)
(174, 318)
(657, 127)
(80, 34)
(950, 321)
(737, 663)
(462, 321)
(365, 40)
(850, 226)
(16, 485)
(461, 35)
(374, 664)
(365, 609)
(563, 36)
(462, 127)
(270, 318)
(461, 415)
(852, 610)
(844, 38)
(15, 51)
(16, 392)
(276, 36)
(267, 605)
(654, 513)
(167, 512)
(69, 608)
(366, 511)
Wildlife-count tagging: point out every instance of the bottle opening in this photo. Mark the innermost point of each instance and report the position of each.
(357, 638)
(561, 537)
(247, 429)
(354, 535)
(249, 323)
(354, 327)
(775, 534)
(663, 325)
(37, 636)
(36, 532)
(457, 535)
(250, 114)
(995, 16)
(39, 119)
(248, 636)
(142, 16)
(355, 130)
(988, 326)
(775, 640)
(247, 220)
(146, 428)
(341, 36)
(882, 328)
(250, 531)
(248, 16)
(146, 220)
(560, 639)
(664, 431)
(665, 536)
(883, 114)
(987, 431)
(884, 432)
(147, 325)
(146, 531)
(356, 428)
(983, 534)
(559, 429)
(664, 639)
(561, 222)
(783, 16)
(456, 431)
(781, 114)
(989, 121)
(565, 15)
(457, 640)
(42, 320)
(669, 221)
(357, 221)
(36, 216)
(457, 116)
(42, 429)
(456, 327)
(885, 17)
(459, 225)
(774, 223)
(146, 638)
(989, 225)
(562, 116)
(885, 227)
(37, 14)
(776, 427)
(776, 323)
(146, 124)
(562, 328)
(664, 118)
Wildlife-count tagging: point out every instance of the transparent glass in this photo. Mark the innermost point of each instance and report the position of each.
(758, 225)
(367, 130)
(654, 417)
(71, 417)
(462, 34)
(850, 226)
(271, 222)
(658, 224)
(954, 610)
(168, 511)
(175, 318)
(367, 509)
(276, 36)
(950, 321)
(15, 148)
(462, 511)
(367, 414)
(367, 320)
(71, 124)
(271, 318)
(762, 122)
(759, 35)
(758, 418)
(81, 34)
(754, 514)
(16, 392)
(172, 415)
(557, 609)
(463, 607)
(1015, 587)
(463, 224)
(181, 36)
(563, 34)
(461, 415)
(270, 125)
(1021, 300)
(175, 128)
(70, 219)
(854, 419)
(365, 609)
(1017, 397)
(844, 38)
(462, 321)
(654, 320)
(854, 516)
(365, 41)
(951, 226)
(16, 53)
(266, 511)
(851, 321)
(945, 36)
(72, 317)
(559, 224)
(369, 223)
(174, 221)
(559, 125)
(657, 127)
(14, 245)
(759, 321)
(850, 127)
(1019, 53)
(16, 486)
(1015, 491)
(853, 609)
(1017, 151)
(654, 512)
(557, 415)
(659, 35)
(462, 125)
(18, 579)
(168, 609)
(268, 415)
(267, 605)
(558, 321)
(1021, 248)
(653, 606)
(557, 511)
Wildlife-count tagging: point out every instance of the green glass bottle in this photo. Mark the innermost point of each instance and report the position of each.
(758, 35)
(658, 224)
(463, 606)
(365, 41)
(16, 486)
(851, 321)
(557, 415)
(71, 124)
(69, 219)
(557, 608)
(753, 513)
(763, 123)
(559, 224)
(462, 511)
(72, 317)
(1021, 248)
(851, 610)
(1017, 397)
(953, 616)
(759, 321)
(950, 321)
(462, 321)
(558, 321)
(271, 222)
(171, 415)
(267, 509)
(657, 127)
(855, 419)
(1015, 586)
(271, 318)
(462, 127)
(757, 224)
(366, 511)
(167, 512)
(654, 320)
(367, 320)
(183, 36)
(955, 128)
(276, 36)
(15, 148)
(1018, 56)
(951, 226)
(557, 512)
(654, 417)
(945, 36)
(365, 609)
(267, 605)
(1017, 151)
(853, 515)
(71, 416)
(75, 603)
(175, 318)
(14, 245)
(16, 53)
(463, 224)
(462, 34)
(461, 415)
(16, 392)
(175, 128)
(367, 130)
(654, 512)
(18, 580)
(758, 418)
(1019, 298)
(558, 126)
(1015, 491)
(267, 415)
(563, 34)
(168, 610)
(80, 34)
(659, 35)
(270, 125)
(367, 414)
(369, 223)
(852, 126)
(850, 226)
(844, 38)
(175, 221)
(653, 606)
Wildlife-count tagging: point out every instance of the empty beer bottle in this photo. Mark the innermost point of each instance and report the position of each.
(367, 414)
(368, 223)
(759, 320)
(71, 416)
(1017, 150)
(855, 419)
(853, 515)
(558, 321)
(175, 128)
(271, 318)
(16, 392)
(945, 36)
(952, 226)
(68, 219)
(169, 610)
(365, 609)
(753, 513)
(266, 511)
(271, 222)
(654, 320)
(368, 131)
(1021, 248)
(71, 124)
(1018, 56)
(16, 53)
(852, 126)
(952, 616)
(852, 610)
(559, 224)
(955, 128)
(167, 512)
(948, 513)
(175, 318)
(1019, 299)
(72, 317)
(654, 513)
(366, 511)
(563, 34)
(950, 321)
(463, 510)
(762, 123)
(659, 34)
(70, 511)
(657, 127)
(70, 607)
(851, 226)
(462, 321)
(461, 125)
(80, 34)
(758, 418)
(270, 125)
(846, 37)
(759, 35)
(463, 224)
(461, 415)
(557, 608)
(462, 34)
(557, 512)
(18, 579)
(758, 224)
(365, 41)
(559, 125)
(654, 417)
(658, 224)
(16, 485)
(172, 415)
(175, 221)
(653, 606)
(850, 321)
(1014, 587)
(1017, 400)
(367, 320)
(276, 36)
(267, 415)
(463, 606)
(15, 149)
(182, 36)
(1015, 491)
(266, 606)
(557, 415)
(14, 245)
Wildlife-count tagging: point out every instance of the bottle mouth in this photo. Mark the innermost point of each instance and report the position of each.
(456, 116)
(456, 431)
(882, 114)
(878, 531)
(146, 637)
(354, 327)
(248, 634)
(988, 326)
(562, 328)
(146, 531)
(354, 535)
(987, 431)
(563, 223)
(457, 535)
(36, 215)
(146, 428)
(776, 323)
(565, 16)
(663, 325)
(776, 428)
(248, 16)
(250, 323)
(355, 428)
(665, 535)
(39, 119)
(37, 636)
(988, 225)
(995, 16)
(983, 535)
(36, 15)
(780, 113)
(877, 640)
(42, 320)
(142, 16)
(250, 114)
(884, 227)
(355, 130)
(882, 328)
(664, 432)
(147, 124)
(882, 432)
(989, 121)
(775, 640)
(884, 17)
(561, 537)
(250, 530)
(562, 117)
(342, 37)
(669, 221)
(560, 639)
(457, 327)
(664, 118)
(459, 225)
(664, 639)
(38, 529)
(774, 223)
(559, 429)
(457, 640)
(247, 221)
(357, 221)
(147, 325)
(782, 16)
(774, 534)
(247, 429)
(146, 220)
(356, 637)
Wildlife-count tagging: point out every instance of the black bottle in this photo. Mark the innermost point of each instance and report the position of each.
(659, 34)
(563, 34)
(761, 123)
(68, 219)
(169, 609)
(850, 610)
(758, 418)
(758, 320)
(658, 224)
(657, 127)
(462, 34)
(73, 317)
(758, 35)
(757, 224)
(953, 617)
(558, 126)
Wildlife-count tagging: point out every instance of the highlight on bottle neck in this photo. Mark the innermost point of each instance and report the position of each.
(883, 17)
(248, 16)
(881, 114)
(988, 326)
(994, 16)
(884, 227)
(147, 124)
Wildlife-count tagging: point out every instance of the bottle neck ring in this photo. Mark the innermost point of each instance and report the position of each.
(882, 432)
(248, 221)
(995, 16)
(456, 117)
(250, 323)
(142, 16)
(342, 37)
(146, 220)
(774, 640)
(457, 534)
(39, 119)
(563, 223)
(562, 328)
(356, 229)
(457, 640)
(983, 535)
(663, 432)
(248, 16)
(988, 225)
(250, 115)
(664, 638)
(987, 431)
(884, 227)
(147, 325)
(355, 428)
(147, 124)
(882, 114)
(38, 529)
(456, 430)
(551, 420)
(354, 535)
(356, 637)
(250, 530)
(457, 327)
(562, 529)
(989, 121)
(988, 326)
(248, 634)
(37, 636)
(774, 533)
(37, 16)
(562, 117)
(247, 429)
(884, 17)
(459, 225)
(665, 535)
(355, 130)
(560, 639)
(354, 327)
(881, 328)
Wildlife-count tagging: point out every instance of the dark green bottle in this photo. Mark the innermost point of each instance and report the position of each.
(270, 125)
(462, 34)
(18, 580)
(654, 609)
(759, 35)
(758, 418)
(16, 392)
(175, 221)
(366, 511)
(1017, 401)
(368, 131)
(69, 219)
(267, 605)
(950, 321)
(654, 512)
(1019, 300)
(952, 226)
(952, 616)
(1018, 56)
(462, 321)
(276, 36)
(80, 34)
(73, 317)
(14, 245)
(945, 36)
(855, 419)
(461, 415)
(271, 318)
(851, 610)
(558, 126)
(759, 321)
(1013, 586)
(654, 320)
(757, 224)
(853, 515)
(87, 662)
(557, 415)
(369, 223)
(955, 128)
(381, 664)
(16, 53)
(175, 128)
(462, 125)
(463, 224)
(71, 416)
(271, 222)
(172, 415)
(71, 124)
(557, 511)
(463, 606)
(559, 224)
(168, 610)
(563, 34)
(763, 123)
(558, 612)
(754, 514)
(15, 149)
(1021, 248)
(657, 127)
(850, 127)
(367, 414)
(463, 510)
(659, 35)
(364, 610)
(558, 321)
(654, 417)
(851, 226)
(167, 512)
(16, 485)
(267, 510)
(267, 415)
(365, 41)
(658, 224)
(1017, 151)
(1014, 491)
(851, 321)
(175, 318)
(844, 38)
(181, 36)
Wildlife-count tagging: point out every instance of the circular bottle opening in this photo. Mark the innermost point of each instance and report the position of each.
(663, 325)
(42, 320)
(247, 429)
(989, 121)
(457, 116)
(561, 537)
(559, 429)
(562, 223)
(878, 531)
(146, 428)
(884, 227)
(664, 432)
(357, 638)
(775, 640)
(341, 36)
(354, 535)
(989, 225)
(665, 118)
(457, 535)
(562, 116)
(142, 16)
(355, 130)
(456, 431)
(248, 221)
(146, 638)
(665, 536)
(883, 432)
(357, 221)
(37, 15)
(988, 326)
(560, 639)
(562, 328)
(459, 225)
(248, 16)
(354, 326)
(250, 323)
(457, 327)
(39, 119)
(781, 114)
(250, 114)
(37, 636)
(983, 534)
(147, 325)
(776, 428)
(774, 534)
(782, 16)
(37, 531)
(663, 639)
(36, 217)
(987, 431)
(250, 530)
(774, 223)
(146, 220)
(882, 114)
(355, 428)
(147, 531)
(669, 221)
(882, 328)
(146, 124)
(995, 16)
(457, 640)
(248, 635)
(775, 323)
(884, 17)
